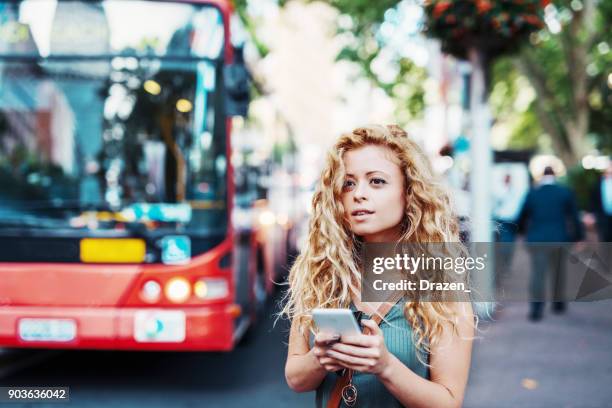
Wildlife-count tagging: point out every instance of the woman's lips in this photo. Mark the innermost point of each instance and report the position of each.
(361, 214)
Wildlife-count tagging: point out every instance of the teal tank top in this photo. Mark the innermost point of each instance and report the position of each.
(370, 391)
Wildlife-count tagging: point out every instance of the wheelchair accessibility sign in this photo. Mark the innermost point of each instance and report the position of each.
(176, 249)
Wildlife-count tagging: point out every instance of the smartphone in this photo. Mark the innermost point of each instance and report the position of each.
(340, 321)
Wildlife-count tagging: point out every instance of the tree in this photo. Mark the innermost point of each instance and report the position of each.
(568, 66)
(360, 25)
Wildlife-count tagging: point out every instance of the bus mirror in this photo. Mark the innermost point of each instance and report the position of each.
(237, 81)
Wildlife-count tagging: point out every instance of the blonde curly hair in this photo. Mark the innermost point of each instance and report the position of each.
(323, 275)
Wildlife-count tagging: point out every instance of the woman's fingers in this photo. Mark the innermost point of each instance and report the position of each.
(325, 339)
(350, 360)
(330, 364)
(362, 340)
(328, 360)
(356, 351)
(332, 367)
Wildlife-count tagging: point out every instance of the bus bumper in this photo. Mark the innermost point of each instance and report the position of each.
(202, 328)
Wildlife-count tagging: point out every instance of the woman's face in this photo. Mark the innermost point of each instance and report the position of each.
(373, 193)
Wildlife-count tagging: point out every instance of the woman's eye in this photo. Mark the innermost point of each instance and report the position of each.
(378, 181)
(348, 184)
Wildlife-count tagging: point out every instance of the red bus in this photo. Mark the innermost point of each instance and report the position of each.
(117, 187)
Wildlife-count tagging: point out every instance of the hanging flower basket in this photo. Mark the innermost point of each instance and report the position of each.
(493, 27)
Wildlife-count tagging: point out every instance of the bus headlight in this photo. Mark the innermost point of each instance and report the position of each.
(151, 291)
(177, 290)
(211, 288)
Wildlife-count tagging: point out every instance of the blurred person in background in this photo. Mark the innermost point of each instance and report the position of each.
(507, 203)
(377, 186)
(549, 215)
(601, 204)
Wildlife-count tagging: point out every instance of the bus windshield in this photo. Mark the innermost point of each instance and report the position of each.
(119, 113)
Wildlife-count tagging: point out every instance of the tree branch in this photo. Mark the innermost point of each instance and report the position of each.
(548, 114)
(537, 78)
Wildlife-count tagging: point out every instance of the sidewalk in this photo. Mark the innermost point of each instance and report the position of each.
(561, 361)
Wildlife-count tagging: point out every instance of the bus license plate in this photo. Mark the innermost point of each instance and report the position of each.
(61, 330)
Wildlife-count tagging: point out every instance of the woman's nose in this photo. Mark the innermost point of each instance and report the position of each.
(360, 192)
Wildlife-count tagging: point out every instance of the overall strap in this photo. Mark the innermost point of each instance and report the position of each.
(336, 394)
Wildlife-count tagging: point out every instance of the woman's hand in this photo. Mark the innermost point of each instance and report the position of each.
(365, 353)
(322, 343)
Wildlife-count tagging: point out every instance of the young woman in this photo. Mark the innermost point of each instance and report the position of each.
(377, 186)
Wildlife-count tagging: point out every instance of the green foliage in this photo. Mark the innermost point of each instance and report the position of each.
(582, 182)
(600, 95)
(241, 9)
(366, 15)
(525, 128)
(283, 149)
(601, 117)
(408, 91)
(551, 62)
(360, 23)
(526, 133)
(569, 70)
(550, 65)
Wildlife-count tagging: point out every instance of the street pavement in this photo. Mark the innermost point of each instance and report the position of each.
(561, 361)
